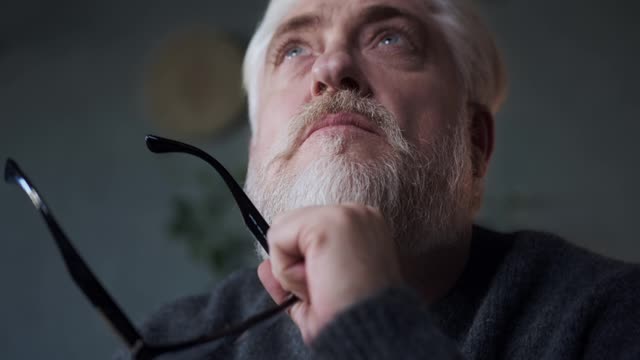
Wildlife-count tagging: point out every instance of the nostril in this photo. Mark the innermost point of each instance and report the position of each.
(349, 84)
(320, 88)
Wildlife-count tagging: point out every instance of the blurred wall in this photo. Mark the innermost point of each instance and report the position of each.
(70, 113)
(567, 158)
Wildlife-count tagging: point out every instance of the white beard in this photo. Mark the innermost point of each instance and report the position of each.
(419, 192)
(333, 177)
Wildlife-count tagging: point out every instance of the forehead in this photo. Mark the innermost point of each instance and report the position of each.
(330, 10)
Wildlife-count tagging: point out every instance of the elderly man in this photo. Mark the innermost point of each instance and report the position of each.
(372, 133)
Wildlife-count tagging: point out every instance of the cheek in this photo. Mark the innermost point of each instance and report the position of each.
(275, 110)
(419, 113)
(424, 105)
(437, 119)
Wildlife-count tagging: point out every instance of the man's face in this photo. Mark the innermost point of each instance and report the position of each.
(385, 49)
(393, 137)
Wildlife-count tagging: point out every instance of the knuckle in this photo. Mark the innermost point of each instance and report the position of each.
(277, 269)
(272, 233)
(314, 236)
(369, 210)
(345, 214)
(278, 219)
(277, 273)
(357, 214)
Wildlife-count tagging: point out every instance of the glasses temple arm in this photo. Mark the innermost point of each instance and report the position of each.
(79, 270)
(252, 217)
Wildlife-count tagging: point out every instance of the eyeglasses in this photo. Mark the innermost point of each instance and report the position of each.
(102, 300)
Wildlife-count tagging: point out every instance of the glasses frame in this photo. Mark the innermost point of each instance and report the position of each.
(98, 295)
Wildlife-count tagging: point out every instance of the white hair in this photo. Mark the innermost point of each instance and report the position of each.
(470, 42)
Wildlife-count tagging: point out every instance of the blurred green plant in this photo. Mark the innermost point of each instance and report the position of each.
(211, 226)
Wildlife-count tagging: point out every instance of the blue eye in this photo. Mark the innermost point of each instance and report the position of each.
(391, 39)
(294, 52)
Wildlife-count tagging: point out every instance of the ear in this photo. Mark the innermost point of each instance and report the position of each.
(482, 133)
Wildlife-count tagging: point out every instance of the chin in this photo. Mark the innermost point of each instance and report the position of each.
(324, 176)
(335, 144)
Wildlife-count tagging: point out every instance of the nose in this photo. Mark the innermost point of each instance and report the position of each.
(337, 70)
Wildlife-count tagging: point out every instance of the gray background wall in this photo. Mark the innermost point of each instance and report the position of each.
(70, 75)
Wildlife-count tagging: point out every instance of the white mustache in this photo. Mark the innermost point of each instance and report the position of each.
(348, 102)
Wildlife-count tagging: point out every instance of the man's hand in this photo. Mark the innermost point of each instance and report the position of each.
(329, 257)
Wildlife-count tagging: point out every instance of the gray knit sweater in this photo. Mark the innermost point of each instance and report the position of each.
(526, 295)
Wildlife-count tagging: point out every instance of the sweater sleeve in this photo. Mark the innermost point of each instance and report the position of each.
(394, 324)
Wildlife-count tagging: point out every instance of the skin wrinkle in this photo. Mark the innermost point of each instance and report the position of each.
(479, 65)
(416, 167)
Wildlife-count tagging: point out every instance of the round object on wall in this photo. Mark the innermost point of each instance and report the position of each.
(193, 85)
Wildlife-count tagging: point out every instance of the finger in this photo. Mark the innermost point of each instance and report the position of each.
(278, 294)
(296, 232)
(288, 229)
(287, 258)
(294, 280)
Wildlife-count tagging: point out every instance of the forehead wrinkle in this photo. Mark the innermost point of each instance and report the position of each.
(299, 23)
(377, 13)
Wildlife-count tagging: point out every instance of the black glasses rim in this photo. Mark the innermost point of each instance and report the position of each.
(80, 272)
(252, 217)
(101, 298)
